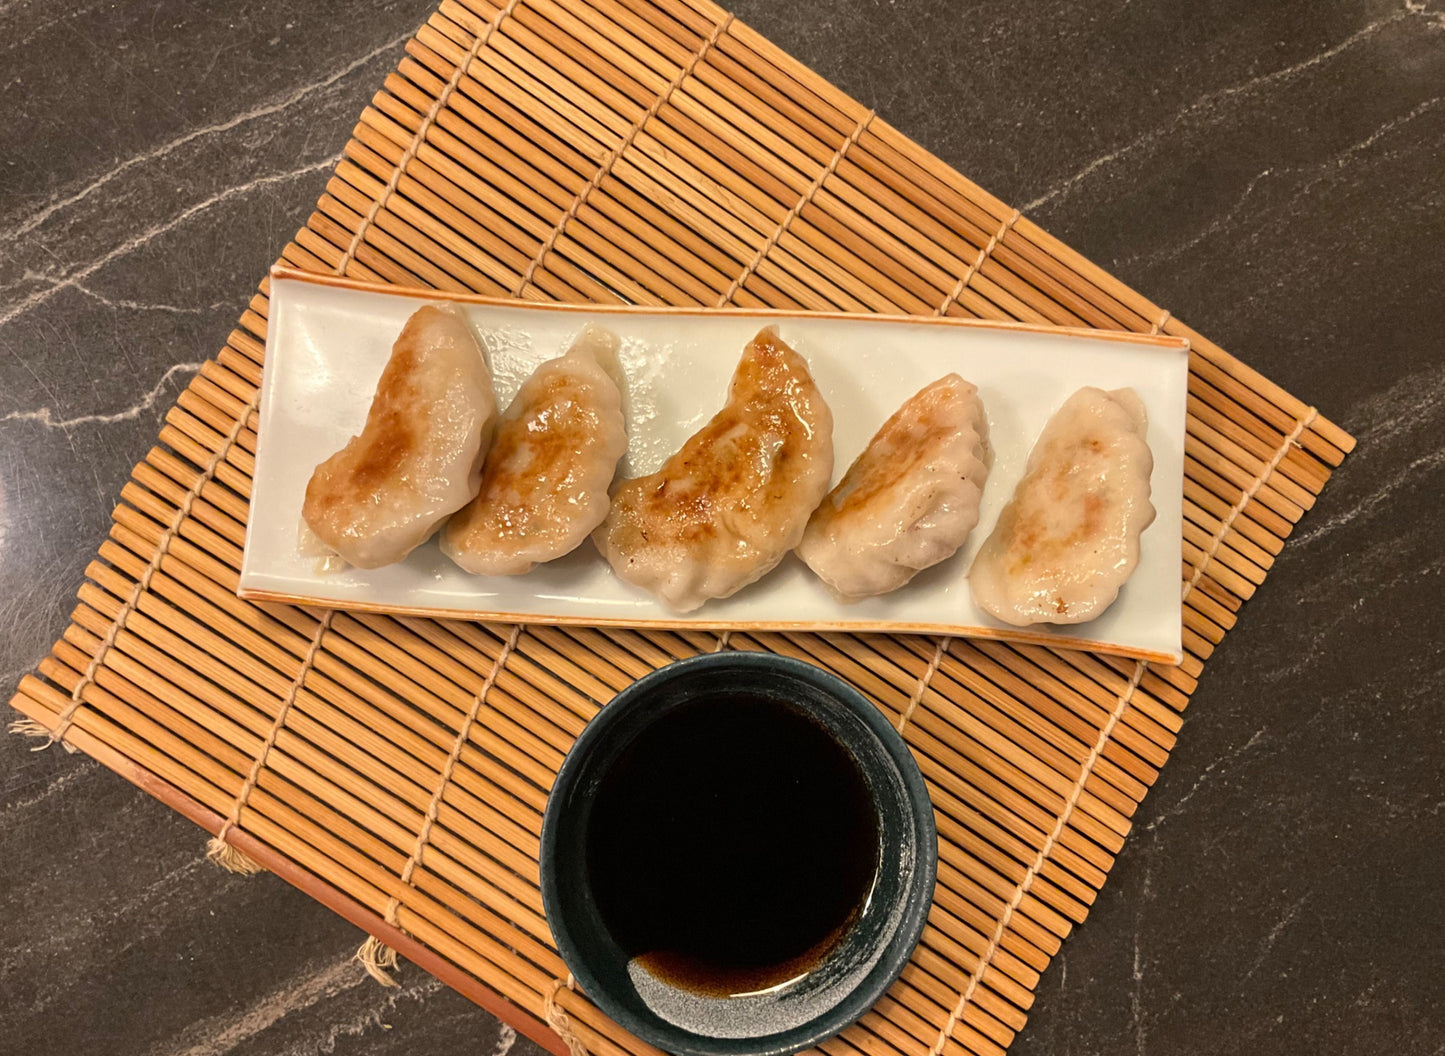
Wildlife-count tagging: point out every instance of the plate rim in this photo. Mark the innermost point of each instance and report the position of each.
(279, 272)
(1020, 636)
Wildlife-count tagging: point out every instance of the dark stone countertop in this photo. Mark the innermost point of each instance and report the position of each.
(1272, 172)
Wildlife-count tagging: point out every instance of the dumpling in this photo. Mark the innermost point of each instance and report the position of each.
(909, 500)
(419, 456)
(545, 480)
(1068, 540)
(727, 507)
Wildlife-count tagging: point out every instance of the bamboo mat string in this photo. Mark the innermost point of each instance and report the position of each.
(428, 119)
(1217, 540)
(233, 859)
(375, 956)
(943, 641)
(796, 210)
(991, 950)
(32, 727)
(610, 160)
(983, 254)
(218, 851)
(1161, 322)
(923, 681)
(722, 641)
(558, 1019)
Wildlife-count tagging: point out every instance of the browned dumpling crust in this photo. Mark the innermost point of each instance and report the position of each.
(545, 480)
(726, 508)
(418, 458)
(910, 499)
(1068, 540)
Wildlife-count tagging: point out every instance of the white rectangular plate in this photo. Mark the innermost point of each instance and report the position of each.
(328, 339)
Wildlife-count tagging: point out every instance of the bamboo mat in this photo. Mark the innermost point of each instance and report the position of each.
(654, 151)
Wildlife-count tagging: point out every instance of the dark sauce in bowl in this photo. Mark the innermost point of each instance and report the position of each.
(732, 845)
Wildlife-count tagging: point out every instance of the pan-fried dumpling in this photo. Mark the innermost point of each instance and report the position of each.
(419, 456)
(727, 507)
(1069, 538)
(545, 480)
(910, 499)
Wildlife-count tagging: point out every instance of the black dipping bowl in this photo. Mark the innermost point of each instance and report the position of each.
(853, 976)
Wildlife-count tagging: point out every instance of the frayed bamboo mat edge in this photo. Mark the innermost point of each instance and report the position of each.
(656, 151)
(273, 861)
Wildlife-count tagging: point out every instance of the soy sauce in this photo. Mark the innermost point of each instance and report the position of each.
(732, 845)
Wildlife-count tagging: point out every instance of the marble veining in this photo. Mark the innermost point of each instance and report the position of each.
(1272, 173)
(1208, 102)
